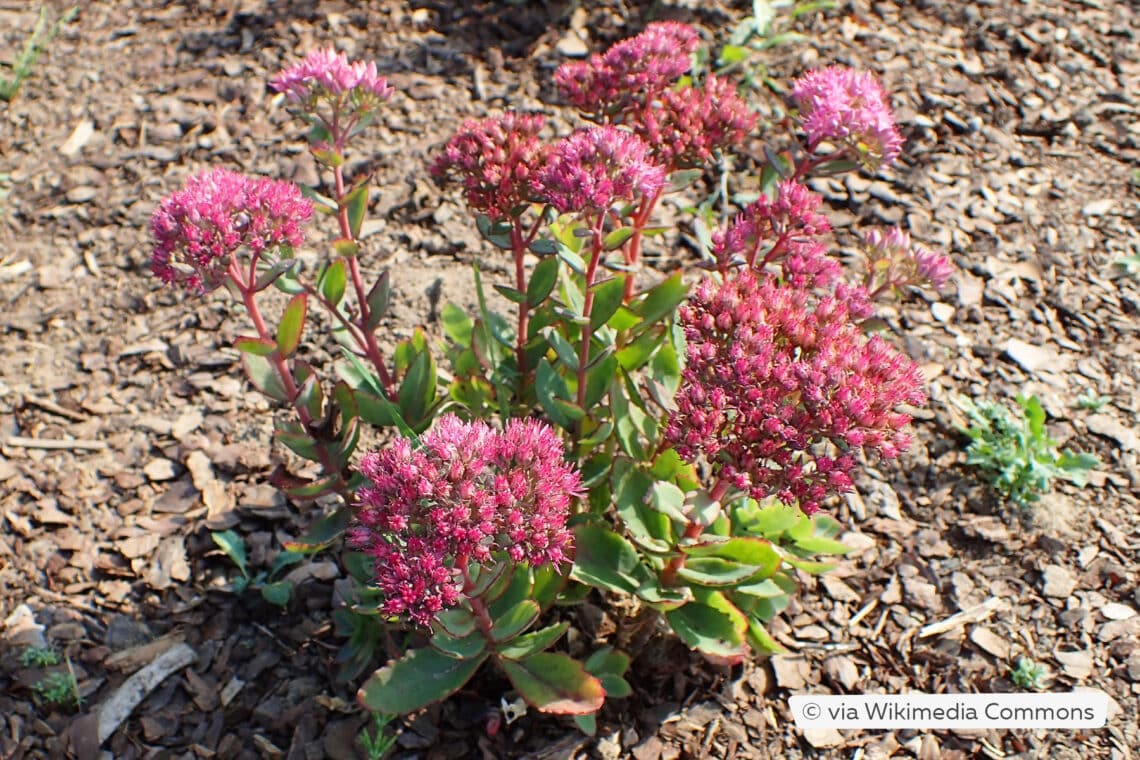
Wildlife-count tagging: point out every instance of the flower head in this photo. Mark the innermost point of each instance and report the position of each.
(688, 126)
(838, 104)
(788, 226)
(198, 230)
(467, 492)
(894, 262)
(327, 73)
(781, 388)
(596, 167)
(631, 71)
(495, 158)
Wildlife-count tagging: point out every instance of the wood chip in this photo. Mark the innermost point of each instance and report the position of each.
(122, 703)
(1079, 665)
(990, 642)
(1057, 582)
(974, 614)
(133, 658)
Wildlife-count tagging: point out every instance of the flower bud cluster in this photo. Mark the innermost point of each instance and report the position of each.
(469, 491)
(632, 72)
(325, 73)
(689, 125)
(496, 160)
(198, 230)
(782, 388)
(596, 167)
(849, 108)
(894, 262)
(787, 229)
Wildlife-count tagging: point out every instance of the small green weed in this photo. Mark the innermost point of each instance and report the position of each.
(1090, 401)
(277, 592)
(58, 689)
(1028, 674)
(39, 657)
(1016, 452)
(37, 43)
(378, 742)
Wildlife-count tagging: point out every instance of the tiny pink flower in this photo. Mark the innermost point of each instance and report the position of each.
(631, 72)
(496, 159)
(467, 493)
(894, 262)
(782, 387)
(596, 167)
(688, 126)
(840, 105)
(199, 229)
(325, 73)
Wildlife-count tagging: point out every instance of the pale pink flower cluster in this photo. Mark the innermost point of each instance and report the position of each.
(688, 126)
(596, 167)
(467, 493)
(327, 73)
(893, 261)
(782, 388)
(631, 71)
(849, 108)
(198, 230)
(496, 159)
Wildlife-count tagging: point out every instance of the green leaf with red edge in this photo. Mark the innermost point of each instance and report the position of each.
(292, 324)
(710, 630)
(462, 648)
(617, 238)
(263, 375)
(418, 679)
(760, 640)
(293, 436)
(716, 572)
(315, 489)
(322, 534)
(661, 300)
(345, 247)
(555, 683)
(255, 346)
(355, 203)
(605, 560)
(745, 550)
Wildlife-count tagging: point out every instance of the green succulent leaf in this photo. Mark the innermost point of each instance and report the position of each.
(542, 281)
(555, 683)
(515, 620)
(356, 203)
(463, 648)
(416, 680)
(529, 644)
(606, 560)
(263, 376)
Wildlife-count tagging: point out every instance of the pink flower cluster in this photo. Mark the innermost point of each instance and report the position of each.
(894, 262)
(691, 124)
(327, 73)
(840, 105)
(786, 230)
(467, 492)
(496, 159)
(198, 230)
(631, 72)
(782, 387)
(594, 168)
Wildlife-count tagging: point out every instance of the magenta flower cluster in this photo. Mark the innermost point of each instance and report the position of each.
(496, 159)
(849, 108)
(893, 261)
(198, 230)
(467, 493)
(782, 388)
(786, 228)
(327, 73)
(689, 125)
(596, 167)
(631, 72)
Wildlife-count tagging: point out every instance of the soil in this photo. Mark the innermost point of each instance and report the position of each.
(127, 436)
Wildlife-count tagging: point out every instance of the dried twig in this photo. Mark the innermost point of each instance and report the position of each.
(55, 444)
(123, 702)
(50, 406)
(975, 614)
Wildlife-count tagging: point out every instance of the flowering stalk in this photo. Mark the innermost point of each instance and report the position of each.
(692, 532)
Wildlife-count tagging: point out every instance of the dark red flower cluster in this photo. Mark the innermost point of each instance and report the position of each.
(496, 159)
(467, 492)
(689, 125)
(782, 388)
(596, 167)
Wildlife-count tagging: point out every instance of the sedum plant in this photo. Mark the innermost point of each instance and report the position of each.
(616, 431)
(1014, 450)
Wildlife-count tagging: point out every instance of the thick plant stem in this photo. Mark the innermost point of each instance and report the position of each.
(369, 347)
(588, 306)
(692, 530)
(519, 246)
(633, 252)
(478, 606)
(281, 367)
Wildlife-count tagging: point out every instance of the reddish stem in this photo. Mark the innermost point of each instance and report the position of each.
(478, 606)
(519, 246)
(587, 307)
(633, 252)
(692, 530)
